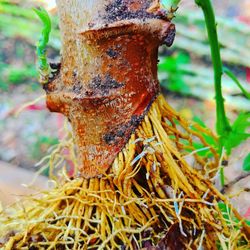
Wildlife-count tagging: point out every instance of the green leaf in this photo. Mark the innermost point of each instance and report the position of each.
(246, 163)
(227, 214)
(208, 138)
(226, 211)
(238, 132)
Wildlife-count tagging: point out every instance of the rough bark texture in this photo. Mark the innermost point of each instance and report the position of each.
(108, 74)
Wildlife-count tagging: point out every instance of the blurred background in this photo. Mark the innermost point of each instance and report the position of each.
(185, 74)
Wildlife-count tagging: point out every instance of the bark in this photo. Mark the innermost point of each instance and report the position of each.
(108, 74)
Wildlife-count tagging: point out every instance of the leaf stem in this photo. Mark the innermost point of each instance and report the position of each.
(230, 74)
(43, 65)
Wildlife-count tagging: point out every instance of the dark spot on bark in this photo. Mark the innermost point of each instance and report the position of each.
(120, 133)
(169, 39)
(136, 120)
(104, 84)
(96, 82)
(112, 53)
(77, 87)
(55, 72)
(89, 93)
(123, 131)
(109, 138)
(75, 73)
(91, 25)
(111, 83)
(118, 10)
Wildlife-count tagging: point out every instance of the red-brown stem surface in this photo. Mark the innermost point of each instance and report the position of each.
(108, 74)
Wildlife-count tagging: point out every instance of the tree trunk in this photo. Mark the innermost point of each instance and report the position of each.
(108, 75)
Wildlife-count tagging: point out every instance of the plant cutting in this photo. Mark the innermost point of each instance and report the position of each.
(139, 182)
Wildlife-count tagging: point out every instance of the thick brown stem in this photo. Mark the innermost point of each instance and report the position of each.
(108, 75)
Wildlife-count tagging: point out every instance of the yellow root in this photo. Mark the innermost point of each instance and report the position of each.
(149, 192)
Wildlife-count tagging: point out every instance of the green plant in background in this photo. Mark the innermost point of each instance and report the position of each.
(208, 138)
(13, 75)
(19, 25)
(246, 164)
(177, 68)
(230, 136)
(172, 66)
(14, 19)
(235, 51)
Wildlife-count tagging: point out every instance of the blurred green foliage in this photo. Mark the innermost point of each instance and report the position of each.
(238, 132)
(246, 164)
(171, 65)
(11, 75)
(19, 23)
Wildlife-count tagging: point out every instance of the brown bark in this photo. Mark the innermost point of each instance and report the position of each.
(108, 75)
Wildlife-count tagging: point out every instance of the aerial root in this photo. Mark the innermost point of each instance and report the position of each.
(149, 192)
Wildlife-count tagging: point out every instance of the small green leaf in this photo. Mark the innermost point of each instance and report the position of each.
(228, 216)
(238, 132)
(208, 138)
(225, 210)
(246, 163)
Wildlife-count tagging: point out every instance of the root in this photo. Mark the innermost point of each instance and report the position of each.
(149, 194)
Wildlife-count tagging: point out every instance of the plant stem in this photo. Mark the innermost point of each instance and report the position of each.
(222, 176)
(222, 123)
